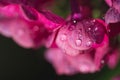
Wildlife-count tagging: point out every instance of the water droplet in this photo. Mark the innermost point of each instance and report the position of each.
(102, 61)
(89, 44)
(96, 28)
(93, 20)
(63, 37)
(89, 28)
(78, 42)
(74, 21)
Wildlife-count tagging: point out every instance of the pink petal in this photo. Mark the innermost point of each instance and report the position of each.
(27, 27)
(51, 21)
(76, 36)
(113, 58)
(65, 64)
(116, 5)
(50, 41)
(112, 16)
(37, 4)
(109, 2)
(5, 28)
(101, 51)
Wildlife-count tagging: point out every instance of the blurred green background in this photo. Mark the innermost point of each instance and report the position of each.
(17, 63)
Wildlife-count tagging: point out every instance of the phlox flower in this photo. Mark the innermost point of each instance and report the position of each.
(78, 44)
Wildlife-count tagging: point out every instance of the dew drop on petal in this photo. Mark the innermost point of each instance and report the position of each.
(63, 37)
(96, 29)
(89, 28)
(89, 43)
(93, 20)
(74, 21)
(102, 61)
(78, 42)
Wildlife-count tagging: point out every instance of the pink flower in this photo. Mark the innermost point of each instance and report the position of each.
(81, 45)
(112, 17)
(113, 14)
(78, 44)
(86, 62)
(65, 64)
(113, 58)
(81, 35)
(26, 26)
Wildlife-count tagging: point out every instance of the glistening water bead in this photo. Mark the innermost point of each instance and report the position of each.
(63, 37)
(78, 42)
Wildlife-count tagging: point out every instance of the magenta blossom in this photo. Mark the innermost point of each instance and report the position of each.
(81, 45)
(78, 44)
(65, 64)
(113, 14)
(27, 26)
(79, 33)
(112, 17)
(86, 42)
(87, 62)
(114, 3)
(112, 58)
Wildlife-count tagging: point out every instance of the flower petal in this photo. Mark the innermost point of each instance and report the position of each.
(109, 2)
(113, 59)
(69, 65)
(26, 26)
(112, 16)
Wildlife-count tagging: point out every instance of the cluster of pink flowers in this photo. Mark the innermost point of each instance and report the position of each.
(79, 44)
